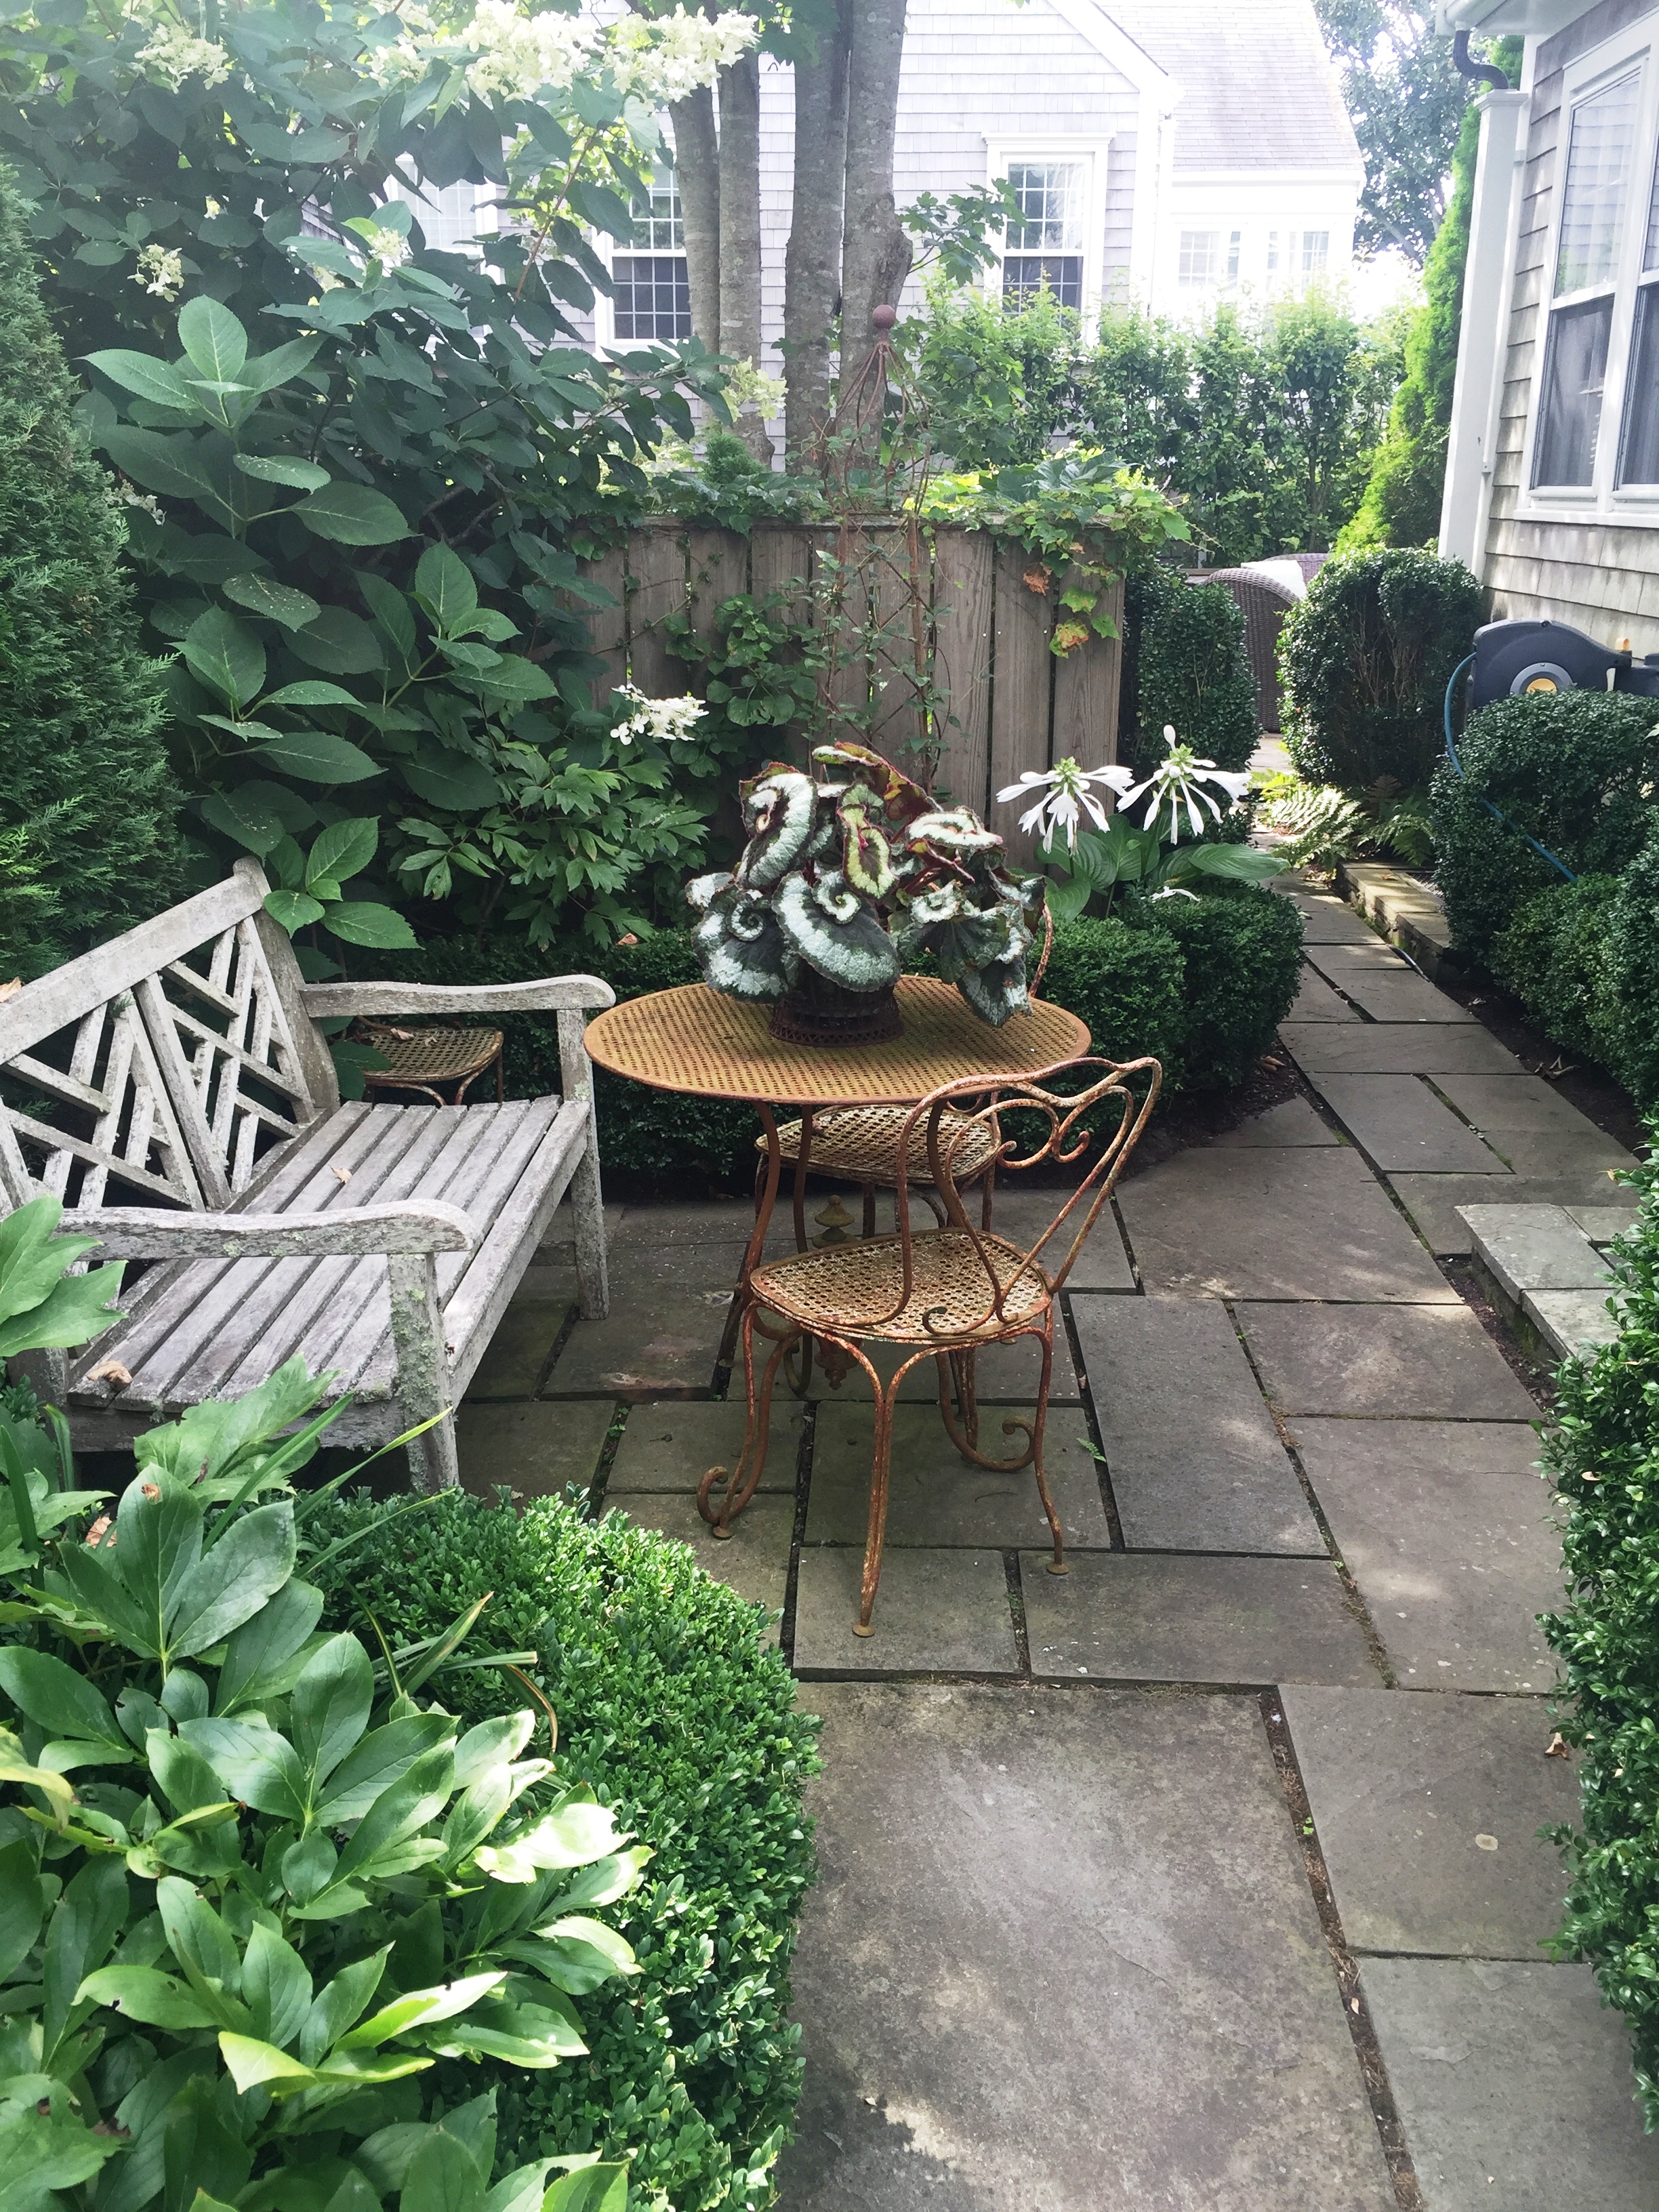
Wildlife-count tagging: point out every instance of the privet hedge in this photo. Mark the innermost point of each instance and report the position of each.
(673, 1710)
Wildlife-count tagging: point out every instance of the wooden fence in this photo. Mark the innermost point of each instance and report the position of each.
(1007, 704)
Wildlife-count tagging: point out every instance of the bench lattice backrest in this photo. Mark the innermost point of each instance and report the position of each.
(164, 1066)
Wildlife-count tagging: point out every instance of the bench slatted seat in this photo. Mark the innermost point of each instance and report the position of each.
(173, 1090)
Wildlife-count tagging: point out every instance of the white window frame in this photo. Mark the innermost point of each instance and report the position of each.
(1635, 49)
(605, 305)
(1091, 155)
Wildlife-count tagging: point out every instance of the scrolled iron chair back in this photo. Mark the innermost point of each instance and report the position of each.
(1066, 1140)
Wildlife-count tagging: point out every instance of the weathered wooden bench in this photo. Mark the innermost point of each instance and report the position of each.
(173, 1090)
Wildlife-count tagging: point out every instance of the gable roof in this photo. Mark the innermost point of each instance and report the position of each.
(1258, 90)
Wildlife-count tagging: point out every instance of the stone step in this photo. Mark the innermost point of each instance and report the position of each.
(1547, 1274)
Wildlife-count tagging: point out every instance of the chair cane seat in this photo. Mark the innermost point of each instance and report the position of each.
(851, 1289)
(417, 1059)
(862, 1142)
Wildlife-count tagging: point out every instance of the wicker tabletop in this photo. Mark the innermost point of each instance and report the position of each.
(694, 1040)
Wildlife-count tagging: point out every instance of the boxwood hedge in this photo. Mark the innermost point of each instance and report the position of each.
(671, 1706)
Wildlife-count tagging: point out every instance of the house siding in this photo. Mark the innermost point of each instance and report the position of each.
(1603, 577)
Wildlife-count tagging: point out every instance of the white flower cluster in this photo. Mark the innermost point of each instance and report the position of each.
(389, 247)
(160, 271)
(172, 55)
(670, 721)
(515, 56)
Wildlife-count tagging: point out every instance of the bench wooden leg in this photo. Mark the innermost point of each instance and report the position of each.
(586, 1199)
(423, 1387)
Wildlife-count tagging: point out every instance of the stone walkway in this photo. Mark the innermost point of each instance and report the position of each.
(1208, 1875)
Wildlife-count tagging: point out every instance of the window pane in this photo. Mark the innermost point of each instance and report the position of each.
(1598, 174)
(1272, 251)
(658, 228)
(1024, 275)
(1049, 195)
(1315, 251)
(1639, 460)
(652, 296)
(1233, 244)
(1200, 250)
(1574, 368)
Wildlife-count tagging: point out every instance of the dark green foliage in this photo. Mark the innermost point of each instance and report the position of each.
(1126, 983)
(1575, 769)
(649, 1140)
(1365, 660)
(1553, 956)
(1632, 973)
(1603, 1457)
(1184, 664)
(674, 1711)
(88, 840)
(1243, 951)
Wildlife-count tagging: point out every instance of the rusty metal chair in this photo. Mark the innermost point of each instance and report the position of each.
(420, 1060)
(946, 1293)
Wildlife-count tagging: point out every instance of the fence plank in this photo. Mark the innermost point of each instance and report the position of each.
(607, 625)
(1085, 696)
(1020, 623)
(962, 664)
(717, 569)
(656, 563)
(896, 727)
(780, 561)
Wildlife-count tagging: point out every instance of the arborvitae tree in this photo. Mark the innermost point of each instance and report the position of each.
(89, 836)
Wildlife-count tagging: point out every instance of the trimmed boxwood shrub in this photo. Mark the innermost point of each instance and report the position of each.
(1126, 983)
(1184, 663)
(1575, 769)
(1553, 958)
(1633, 972)
(672, 1707)
(1603, 1457)
(1242, 954)
(1365, 660)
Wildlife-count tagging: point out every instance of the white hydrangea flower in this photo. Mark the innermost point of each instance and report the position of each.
(660, 60)
(389, 247)
(160, 271)
(172, 55)
(519, 55)
(670, 721)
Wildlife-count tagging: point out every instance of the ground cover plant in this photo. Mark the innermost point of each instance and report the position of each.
(1604, 1458)
(677, 1715)
(271, 1921)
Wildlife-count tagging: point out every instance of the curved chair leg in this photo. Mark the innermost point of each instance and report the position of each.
(751, 1461)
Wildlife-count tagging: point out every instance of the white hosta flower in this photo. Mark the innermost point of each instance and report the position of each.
(160, 271)
(670, 721)
(1178, 782)
(1066, 796)
(172, 55)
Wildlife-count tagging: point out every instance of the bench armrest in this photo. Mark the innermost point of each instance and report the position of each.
(136, 1232)
(552, 994)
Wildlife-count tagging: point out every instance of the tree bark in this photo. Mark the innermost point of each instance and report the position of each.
(697, 165)
(812, 280)
(877, 254)
(740, 231)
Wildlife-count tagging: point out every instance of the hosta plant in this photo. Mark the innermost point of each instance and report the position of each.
(853, 877)
(253, 1889)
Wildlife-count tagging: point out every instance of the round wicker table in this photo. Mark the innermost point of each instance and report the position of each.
(694, 1040)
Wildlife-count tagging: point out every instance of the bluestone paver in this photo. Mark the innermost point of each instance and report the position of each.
(669, 1306)
(1534, 1247)
(1023, 1214)
(1549, 1153)
(1569, 1321)
(1195, 1462)
(1468, 2044)
(530, 1447)
(1009, 1373)
(1400, 994)
(1061, 1953)
(1292, 1121)
(1403, 1127)
(1333, 921)
(1432, 1200)
(1390, 1046)
(1282, 1223)
(1445, 1526)
(937, 1612)
(521, 1347)
(1382, 1362)
(1602, 1224)
(1160, 1617)
(672, 1446)
(1428, 1809)
(753, 1559)
(1337, 961)
(1316, 1001)
(936, 1497)
(1522, 1101)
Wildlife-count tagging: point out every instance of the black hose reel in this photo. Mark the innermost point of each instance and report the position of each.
(1514, 658)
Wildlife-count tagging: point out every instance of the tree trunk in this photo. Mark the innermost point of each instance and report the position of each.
(876, 258)
(739, 230)
(811, 282)
(697, 166)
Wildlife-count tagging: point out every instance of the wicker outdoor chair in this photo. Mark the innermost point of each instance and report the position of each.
(946, 1293)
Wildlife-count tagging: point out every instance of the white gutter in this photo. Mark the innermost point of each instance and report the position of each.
(1483, 338)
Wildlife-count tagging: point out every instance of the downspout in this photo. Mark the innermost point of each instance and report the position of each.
(1476, 72)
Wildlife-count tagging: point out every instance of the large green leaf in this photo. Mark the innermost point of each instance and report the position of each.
(229, 1584)
(247, 815)
(213, 337)
(43, 2152)
(264, 372)
(170, 462)
(56, 1696)
(294, 909)
(352, 515)
(310, 692)
(227, 656)
(316, 756)
(158, 381)
(34, 1259)
(261, 1654)
(591, 2188)
(391, 609)
(79, 1309)
(378, 1760)
(275, 1986)
(253, 1764)
(342, 850)
(419, 2007)
(1238, 864)
(444, 586)
(283, 468)
(341, 642)
(417, 1796)
(331, 1705)
(280, 603)
(146, 1994)
(443, 2177)
(22, 1906)
(452, 780)
(365, 921)
(516, 681)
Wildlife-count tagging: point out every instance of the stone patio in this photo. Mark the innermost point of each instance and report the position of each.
(1208, 1875)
